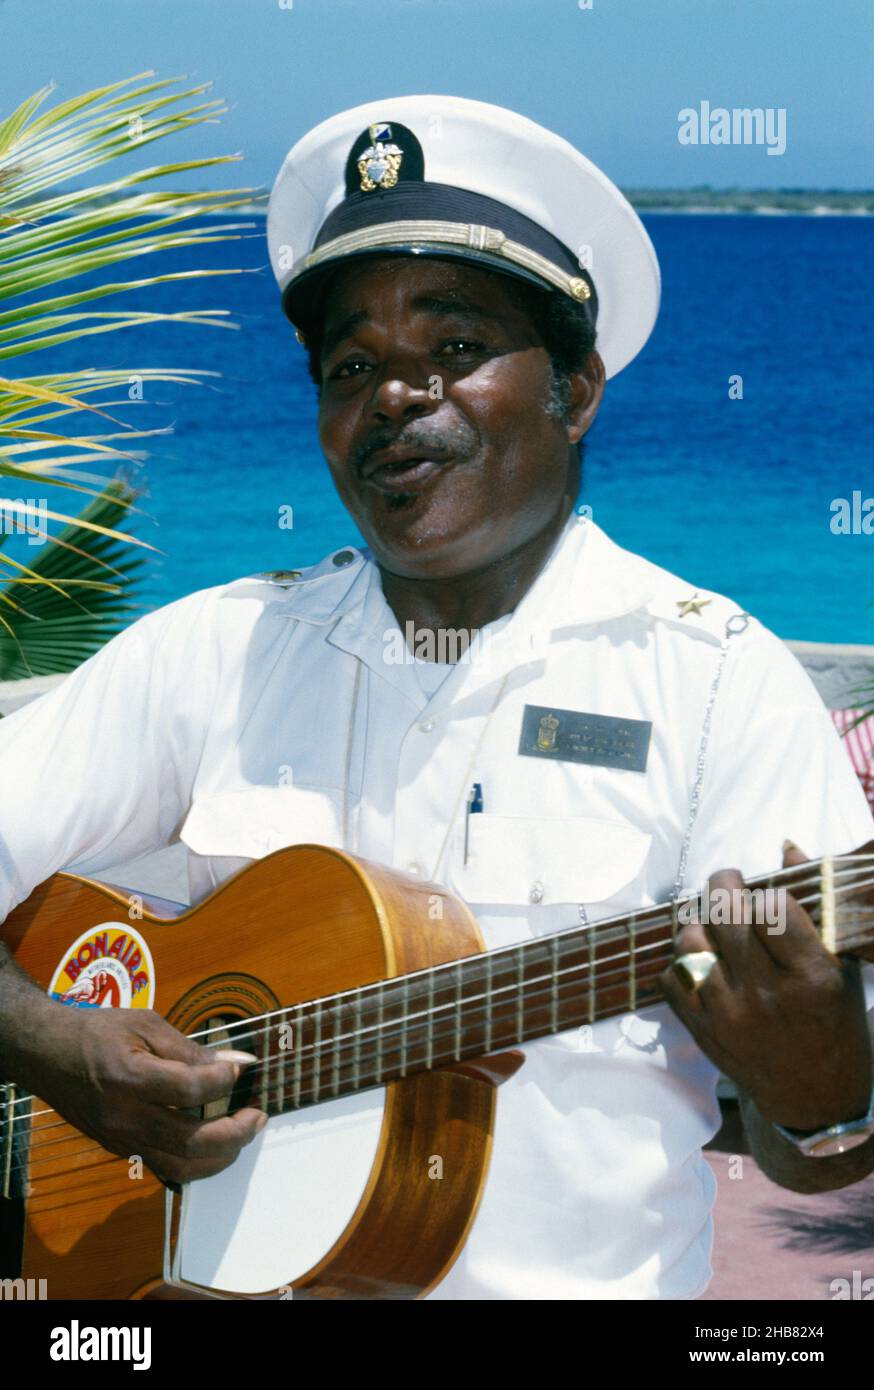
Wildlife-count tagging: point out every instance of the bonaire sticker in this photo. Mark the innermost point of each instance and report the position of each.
(109, 967)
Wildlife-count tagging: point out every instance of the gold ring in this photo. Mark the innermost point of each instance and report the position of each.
(694, 968)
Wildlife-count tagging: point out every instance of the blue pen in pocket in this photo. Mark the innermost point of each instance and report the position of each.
(474, 805)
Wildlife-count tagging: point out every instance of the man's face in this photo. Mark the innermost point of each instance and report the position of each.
(432, 415)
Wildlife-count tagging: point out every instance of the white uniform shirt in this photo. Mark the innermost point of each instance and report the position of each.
(226, 719)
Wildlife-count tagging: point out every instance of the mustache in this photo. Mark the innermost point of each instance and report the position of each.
(458, 439)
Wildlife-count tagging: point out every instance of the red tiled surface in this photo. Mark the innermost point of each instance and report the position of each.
(773, 1244)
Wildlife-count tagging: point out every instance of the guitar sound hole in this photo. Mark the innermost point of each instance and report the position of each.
(232, 1032)
(217, 1012)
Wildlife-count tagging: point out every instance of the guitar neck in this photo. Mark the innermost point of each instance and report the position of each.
(486, 1003)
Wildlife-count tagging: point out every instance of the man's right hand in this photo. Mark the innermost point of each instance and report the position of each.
(125, 1077)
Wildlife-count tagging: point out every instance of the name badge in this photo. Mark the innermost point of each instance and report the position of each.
(566, 735)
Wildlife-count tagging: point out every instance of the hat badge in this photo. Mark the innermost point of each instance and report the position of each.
(380, 163)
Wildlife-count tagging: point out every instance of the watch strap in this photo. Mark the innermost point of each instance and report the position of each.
(835, 1139)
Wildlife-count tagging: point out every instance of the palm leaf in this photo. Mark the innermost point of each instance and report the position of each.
(82, 596)
(55, 235)
(56, 232)
(864, 695)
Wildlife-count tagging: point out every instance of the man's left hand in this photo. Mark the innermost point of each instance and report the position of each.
(778, 1013)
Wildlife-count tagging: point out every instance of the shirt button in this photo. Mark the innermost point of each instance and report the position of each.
(414, 868)
(535, 892)
(343, 557)
(427, 725)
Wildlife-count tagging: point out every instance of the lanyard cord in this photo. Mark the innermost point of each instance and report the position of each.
(737, 623)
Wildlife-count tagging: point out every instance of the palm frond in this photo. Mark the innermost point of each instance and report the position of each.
(57, 232)
(52, 235)
(81, 597)
(863, 699)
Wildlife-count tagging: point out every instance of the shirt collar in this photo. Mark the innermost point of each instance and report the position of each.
(587, 579)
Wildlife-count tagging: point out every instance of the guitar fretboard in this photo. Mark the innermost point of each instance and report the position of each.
(366, 1037)
(481, 1004)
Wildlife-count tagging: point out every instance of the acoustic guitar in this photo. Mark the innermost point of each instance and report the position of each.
(382, 1030)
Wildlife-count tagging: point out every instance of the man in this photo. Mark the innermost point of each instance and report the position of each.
(434, 254)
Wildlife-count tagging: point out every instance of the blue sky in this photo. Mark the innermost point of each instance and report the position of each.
(612, 79)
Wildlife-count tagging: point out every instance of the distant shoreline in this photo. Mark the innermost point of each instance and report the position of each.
(762, 211)
(693, 210)
(754, 202)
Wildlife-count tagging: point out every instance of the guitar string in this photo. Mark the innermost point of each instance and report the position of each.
(607, 928)
(30, 1164)
(387, 1031)
(438, 1056)
(406, 1023)
(409, 1024)
(338, 1066)
(402, 1027)
(423, 984)
(406, 1027)
(601, 928)
(268, 1061)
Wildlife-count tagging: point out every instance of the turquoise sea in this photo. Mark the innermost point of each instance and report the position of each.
(735, 495)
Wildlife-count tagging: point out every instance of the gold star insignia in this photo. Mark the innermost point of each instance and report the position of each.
(691, 605)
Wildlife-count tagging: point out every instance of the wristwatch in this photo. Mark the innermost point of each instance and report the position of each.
(837, 1139)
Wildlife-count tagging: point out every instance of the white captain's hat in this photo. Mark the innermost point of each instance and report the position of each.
(449, 177)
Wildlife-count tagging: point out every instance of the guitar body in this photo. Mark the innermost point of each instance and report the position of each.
(303, 923)
(376, 1059)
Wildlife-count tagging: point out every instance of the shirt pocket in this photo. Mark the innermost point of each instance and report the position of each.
(531, 876)
(226, 830)
(543, 861)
